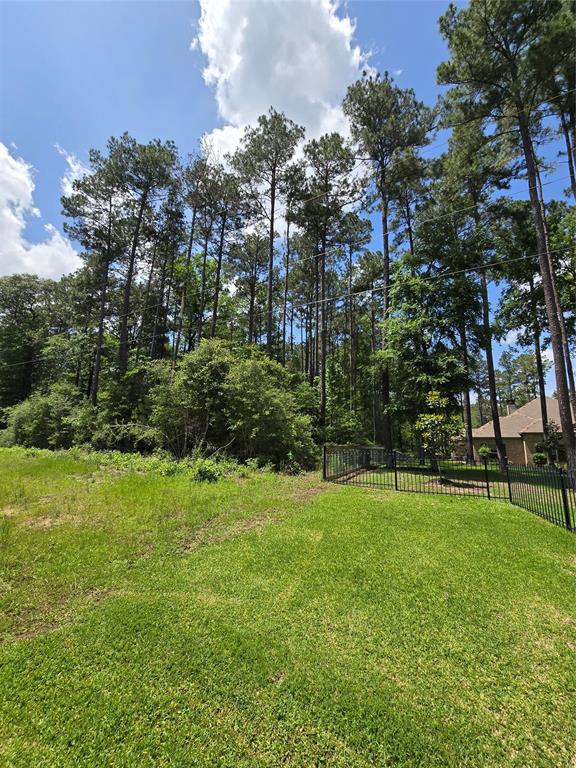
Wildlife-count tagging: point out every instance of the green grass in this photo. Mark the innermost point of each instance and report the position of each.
(272, 621)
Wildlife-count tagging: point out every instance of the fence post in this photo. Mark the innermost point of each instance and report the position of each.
(508, 479)
(395, 470)
(486, 476)
(324, 472)
(565, 500)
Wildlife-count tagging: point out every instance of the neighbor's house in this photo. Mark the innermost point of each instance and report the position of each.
(521, 430)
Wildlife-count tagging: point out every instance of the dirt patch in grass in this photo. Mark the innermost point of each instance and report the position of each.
(308, 493)
(299, 489)
(308, 486)
(9, 511)
(45, 522)
(54, 613)
(216, 531)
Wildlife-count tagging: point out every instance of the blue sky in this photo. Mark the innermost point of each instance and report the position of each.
(74, 73)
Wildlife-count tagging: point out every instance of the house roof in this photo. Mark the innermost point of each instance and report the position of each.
(525, 420)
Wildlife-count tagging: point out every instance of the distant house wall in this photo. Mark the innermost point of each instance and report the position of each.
(530, 441)
(514, 448)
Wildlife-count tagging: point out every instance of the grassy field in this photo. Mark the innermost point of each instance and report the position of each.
(273, 621)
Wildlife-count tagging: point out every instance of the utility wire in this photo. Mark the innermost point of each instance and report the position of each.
(319, 255)
(353, 294)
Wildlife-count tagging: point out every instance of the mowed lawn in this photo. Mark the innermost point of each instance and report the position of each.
(273, 621)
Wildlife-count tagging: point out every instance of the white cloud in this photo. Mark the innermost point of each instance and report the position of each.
(52, 257)
(298, 57)
(75, 170)
(511, 337)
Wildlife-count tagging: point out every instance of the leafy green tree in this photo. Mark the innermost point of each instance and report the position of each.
(437, 427)
(187, 405)
(499, 69)
(26, 321)
(96, 219)
(386, 123)
(59, 418)
(262, 162)
(264, 417)
(144, 171)
(330, 189)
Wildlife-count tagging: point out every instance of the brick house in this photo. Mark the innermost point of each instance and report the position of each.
(521, 430)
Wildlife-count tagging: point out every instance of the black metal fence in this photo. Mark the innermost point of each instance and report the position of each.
(547, 491)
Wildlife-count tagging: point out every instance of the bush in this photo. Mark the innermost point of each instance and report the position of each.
(108, 436)
(244, 402)
(206, 471)
(217, 400)
(58, 418)
(485, 452)
(539, 459)
(263, 415)
(188, 407)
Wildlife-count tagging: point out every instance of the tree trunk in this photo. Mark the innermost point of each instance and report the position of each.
(218, 273)
(538, 356)
(569, 152)
(270, 319)
(100, 336)
(323, 332)
(285, 302)
(467, 411)
(251, 331)
(385, 378)
(487, 338)
(184, 287)
(548, 286)
(123, 348)
(145, 307)
(409, 226)
(316, 355)
(95, 383)
(158, 309)
(351, 355)
(373, 347)
(166, 311)
(203, 285)
(481, 408)
(559, 310)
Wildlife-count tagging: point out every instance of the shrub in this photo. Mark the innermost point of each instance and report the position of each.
(58, 418)
(243, 401)
(485, 452)
(108, 436)
(188, 407)
(539, 459)
(263, 415)
(206, 471)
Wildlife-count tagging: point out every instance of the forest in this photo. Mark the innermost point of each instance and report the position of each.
(302, 291)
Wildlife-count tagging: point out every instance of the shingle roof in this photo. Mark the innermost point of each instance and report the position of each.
(525, 420)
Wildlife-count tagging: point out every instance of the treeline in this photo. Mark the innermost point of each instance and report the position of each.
(268, 252)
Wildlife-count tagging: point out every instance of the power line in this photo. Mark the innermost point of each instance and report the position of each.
(473, 268)
(393, 230)
(353, 294)
(77, 335)
(325, 253)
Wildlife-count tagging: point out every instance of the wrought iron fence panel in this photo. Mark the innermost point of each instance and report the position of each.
(547, 491)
